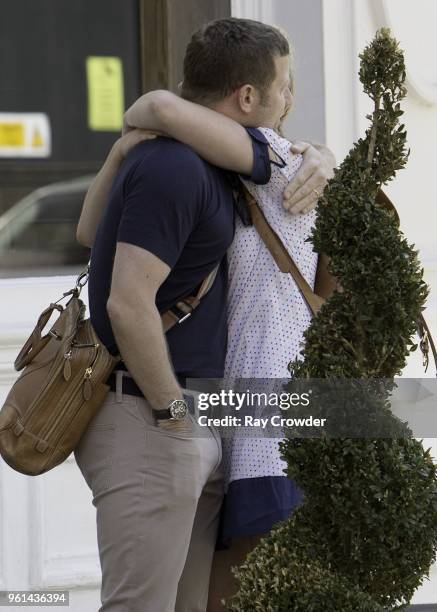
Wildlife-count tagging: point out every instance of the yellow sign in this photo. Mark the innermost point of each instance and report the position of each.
(25, 135)
(12, 135)
(37, 140)
(105, 93)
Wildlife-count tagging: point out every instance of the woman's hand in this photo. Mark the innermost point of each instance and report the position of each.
(304, 191)
(130, 139)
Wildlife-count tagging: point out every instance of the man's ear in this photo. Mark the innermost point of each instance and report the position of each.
(247, 98)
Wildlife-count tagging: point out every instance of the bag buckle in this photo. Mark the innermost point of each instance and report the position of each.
(18, 428)
(424, 347)
(179, 313)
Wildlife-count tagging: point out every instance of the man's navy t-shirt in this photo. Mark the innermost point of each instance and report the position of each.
(169, 201)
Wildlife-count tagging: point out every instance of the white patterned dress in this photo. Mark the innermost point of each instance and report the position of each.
(267, 316)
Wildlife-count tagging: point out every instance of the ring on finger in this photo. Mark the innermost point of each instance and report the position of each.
(317, 193)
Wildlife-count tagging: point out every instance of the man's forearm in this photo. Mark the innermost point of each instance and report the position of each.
(142, 344)
(148, 112)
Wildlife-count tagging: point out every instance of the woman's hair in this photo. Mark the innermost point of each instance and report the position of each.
(292, 85)
(228, 53)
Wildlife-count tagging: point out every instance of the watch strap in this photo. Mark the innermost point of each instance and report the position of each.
(161, 415)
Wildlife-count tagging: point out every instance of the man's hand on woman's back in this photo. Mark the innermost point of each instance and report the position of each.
(304, 191)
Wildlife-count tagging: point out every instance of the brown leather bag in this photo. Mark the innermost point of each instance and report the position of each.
(62, 385)
(325, 283)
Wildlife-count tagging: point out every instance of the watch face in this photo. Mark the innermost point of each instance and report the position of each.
(178, 409)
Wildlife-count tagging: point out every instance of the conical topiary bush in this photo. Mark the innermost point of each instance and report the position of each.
(366, 534)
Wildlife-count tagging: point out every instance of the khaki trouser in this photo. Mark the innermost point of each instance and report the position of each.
(158, 495)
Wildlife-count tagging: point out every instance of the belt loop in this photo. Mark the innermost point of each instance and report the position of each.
(119, 386)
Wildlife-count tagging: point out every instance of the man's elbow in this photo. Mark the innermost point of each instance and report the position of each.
(116, 308)
(121, 310)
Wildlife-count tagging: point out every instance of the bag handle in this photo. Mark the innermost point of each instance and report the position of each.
(35, 343)
(286, 264)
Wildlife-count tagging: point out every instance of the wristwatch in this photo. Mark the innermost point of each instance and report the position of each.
(176, 410)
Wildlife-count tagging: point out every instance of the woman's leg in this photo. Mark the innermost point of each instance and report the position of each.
(222, 583)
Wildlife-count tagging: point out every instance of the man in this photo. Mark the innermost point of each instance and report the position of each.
(156, 478)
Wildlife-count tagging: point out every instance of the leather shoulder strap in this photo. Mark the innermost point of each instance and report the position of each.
(177, 313)
(426, 339)
(286, 264)
(183, 309)
(280, 254)
(383, 200)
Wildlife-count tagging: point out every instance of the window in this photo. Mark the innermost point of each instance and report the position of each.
(38, 233)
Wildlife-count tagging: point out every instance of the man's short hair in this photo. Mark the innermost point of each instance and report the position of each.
(228, 53)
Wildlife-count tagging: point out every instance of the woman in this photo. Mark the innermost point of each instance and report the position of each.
(266, 312)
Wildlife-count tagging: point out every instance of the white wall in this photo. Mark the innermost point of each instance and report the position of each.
(349, 25)
(302, 21)
(47, 523)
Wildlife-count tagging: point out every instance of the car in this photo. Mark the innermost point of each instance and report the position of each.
(38, 233)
